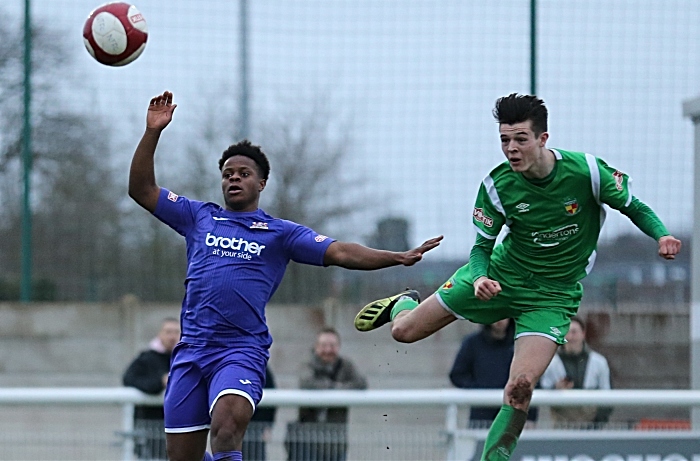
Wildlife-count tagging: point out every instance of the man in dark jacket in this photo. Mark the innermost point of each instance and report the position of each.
(483, 362)
(321, 433)
(149, 373)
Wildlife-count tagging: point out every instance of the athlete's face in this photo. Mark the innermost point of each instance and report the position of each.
(524, 150)
(241, 183)
(327, 347)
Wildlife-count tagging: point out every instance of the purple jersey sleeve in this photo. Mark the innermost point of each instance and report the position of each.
(176, 211)
(304, 245)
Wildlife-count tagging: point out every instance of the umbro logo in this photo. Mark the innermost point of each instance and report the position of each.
(245, 381)
(555, 331)
(523, 207)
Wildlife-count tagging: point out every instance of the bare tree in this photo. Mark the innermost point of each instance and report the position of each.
(307, 145)
(75, 199)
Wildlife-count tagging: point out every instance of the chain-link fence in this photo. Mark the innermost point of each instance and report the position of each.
(395, 97)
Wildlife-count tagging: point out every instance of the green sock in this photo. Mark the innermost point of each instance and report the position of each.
(406, 304)
(503, 435)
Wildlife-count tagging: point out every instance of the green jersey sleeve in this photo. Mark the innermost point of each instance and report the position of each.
(614, 186)
(488, 215)
(615, 191)
(480, 256)
(645, 219)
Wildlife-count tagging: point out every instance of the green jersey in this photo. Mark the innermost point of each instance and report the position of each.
(553, 229)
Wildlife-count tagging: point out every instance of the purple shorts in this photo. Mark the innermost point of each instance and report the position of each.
(199, 375)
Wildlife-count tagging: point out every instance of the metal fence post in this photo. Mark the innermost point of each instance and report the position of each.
(128, 431)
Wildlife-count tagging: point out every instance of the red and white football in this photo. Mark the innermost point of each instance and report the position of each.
(115, 34)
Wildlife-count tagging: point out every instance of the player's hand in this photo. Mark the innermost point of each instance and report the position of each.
(411, 257)
(485, 288)
(669, 247)
(160, 111)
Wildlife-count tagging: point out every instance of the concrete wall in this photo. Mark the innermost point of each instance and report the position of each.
(91, 344)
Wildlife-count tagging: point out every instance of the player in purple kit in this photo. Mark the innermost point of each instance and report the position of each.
(236, 258)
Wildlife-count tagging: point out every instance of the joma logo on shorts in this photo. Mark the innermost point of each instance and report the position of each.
(234, 244)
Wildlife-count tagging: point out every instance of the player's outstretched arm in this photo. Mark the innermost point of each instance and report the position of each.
(142, 179)
(356, 256)
(669, 247)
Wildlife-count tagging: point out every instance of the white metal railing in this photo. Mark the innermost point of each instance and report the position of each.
(127, 398)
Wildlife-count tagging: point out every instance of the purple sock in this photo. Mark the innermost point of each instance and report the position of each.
(228, 456)
(208, 456)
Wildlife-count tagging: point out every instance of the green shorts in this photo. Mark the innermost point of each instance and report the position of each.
(540, 308)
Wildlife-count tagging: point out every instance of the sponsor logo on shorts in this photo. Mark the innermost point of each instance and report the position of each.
(555, 331)
(552, 238)
(479, 216)
(571, 206)
(619, 177)
(320, 238)
(172, 196)
(448, 285)
(245, 381)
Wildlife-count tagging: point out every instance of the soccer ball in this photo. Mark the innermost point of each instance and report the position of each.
(115, 34)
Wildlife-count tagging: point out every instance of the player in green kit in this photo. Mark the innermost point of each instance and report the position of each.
(551, 203)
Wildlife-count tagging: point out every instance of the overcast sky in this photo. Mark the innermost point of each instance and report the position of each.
(417, 80)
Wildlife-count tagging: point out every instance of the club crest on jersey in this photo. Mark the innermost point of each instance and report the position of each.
(619, 177)
(479, 216)
(571, 206)
(259, 225)
(448, 285)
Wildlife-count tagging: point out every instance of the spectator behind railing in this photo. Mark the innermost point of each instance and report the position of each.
(321, 433)
(576, 366)
(149, 373)
(483, 362)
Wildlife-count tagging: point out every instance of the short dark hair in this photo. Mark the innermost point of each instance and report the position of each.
(247, 149)
(519, 108)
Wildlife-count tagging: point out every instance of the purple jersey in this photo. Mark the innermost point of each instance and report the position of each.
(235, 262)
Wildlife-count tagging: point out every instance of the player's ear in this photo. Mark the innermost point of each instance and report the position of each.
(543, 138)
(261, 186)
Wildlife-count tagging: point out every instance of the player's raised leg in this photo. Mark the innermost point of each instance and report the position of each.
(412, 320)
(531, 358)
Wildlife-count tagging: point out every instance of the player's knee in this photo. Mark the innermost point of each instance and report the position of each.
(227, 436)
(518, 391)
(403, 332)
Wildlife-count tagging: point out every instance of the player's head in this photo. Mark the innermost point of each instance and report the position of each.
(169, 333)
(520, 108)
(247, 149)
(522, 126)
(327, 345)
(244, 172)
